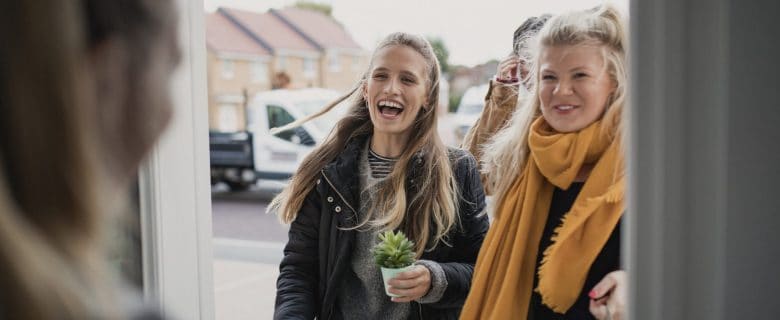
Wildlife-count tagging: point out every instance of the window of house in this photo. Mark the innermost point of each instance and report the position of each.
(333, 62)
(281, 63)
(309, 69)
(259, 72)
(228, 118)
(227, 69)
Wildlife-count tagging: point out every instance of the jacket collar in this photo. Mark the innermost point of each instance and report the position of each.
(343, 173)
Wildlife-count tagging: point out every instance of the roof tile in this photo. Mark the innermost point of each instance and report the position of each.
(324, 30)
(271, 30)
(224, 36)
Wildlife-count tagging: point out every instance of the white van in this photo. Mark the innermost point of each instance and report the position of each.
(469, 109)
(278, 156)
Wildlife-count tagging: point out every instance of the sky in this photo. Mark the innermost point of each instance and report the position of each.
(473, 31)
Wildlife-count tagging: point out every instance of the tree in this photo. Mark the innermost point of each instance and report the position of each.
(442, 53)
(315, 6)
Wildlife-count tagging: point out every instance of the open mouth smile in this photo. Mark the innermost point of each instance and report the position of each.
(390, 109)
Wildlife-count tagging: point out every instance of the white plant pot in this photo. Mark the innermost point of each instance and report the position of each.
(389, 273)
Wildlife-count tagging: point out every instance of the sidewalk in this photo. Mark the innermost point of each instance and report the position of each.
(245, 275)
(244, 290)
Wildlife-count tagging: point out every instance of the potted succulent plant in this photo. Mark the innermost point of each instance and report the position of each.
(394, 254)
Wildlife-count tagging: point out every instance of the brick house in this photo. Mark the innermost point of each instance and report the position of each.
(342, 59)
(246, 49)
(237, 66)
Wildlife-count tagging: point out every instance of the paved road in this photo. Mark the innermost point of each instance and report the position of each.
(242, 229)
(242, 216)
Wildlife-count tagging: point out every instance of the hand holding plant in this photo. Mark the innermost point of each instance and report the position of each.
(394, 254)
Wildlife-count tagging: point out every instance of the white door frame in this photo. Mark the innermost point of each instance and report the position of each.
(175, 198)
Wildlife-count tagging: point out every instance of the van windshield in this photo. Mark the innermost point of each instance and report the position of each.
(325, 122)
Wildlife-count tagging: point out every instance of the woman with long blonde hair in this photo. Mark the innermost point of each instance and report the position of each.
(82, 98)
(553, 251)
(383, 167)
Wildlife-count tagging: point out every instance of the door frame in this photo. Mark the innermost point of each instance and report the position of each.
(175, 195)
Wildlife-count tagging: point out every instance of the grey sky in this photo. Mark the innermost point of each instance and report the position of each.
(474, 31)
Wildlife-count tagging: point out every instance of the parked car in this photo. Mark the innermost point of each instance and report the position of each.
(277, 156)
(469, 109)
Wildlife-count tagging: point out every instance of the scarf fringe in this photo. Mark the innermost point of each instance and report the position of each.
(542, 272)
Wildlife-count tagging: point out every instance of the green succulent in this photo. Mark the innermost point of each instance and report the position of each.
(394, 250)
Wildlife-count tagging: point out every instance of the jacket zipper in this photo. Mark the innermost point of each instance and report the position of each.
(337, 191)
(419, 305)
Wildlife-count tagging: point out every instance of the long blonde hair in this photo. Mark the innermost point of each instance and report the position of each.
(425, 213)
(52, 262)
(506, 154)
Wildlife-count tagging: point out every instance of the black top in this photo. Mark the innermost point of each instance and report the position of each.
(607, 261)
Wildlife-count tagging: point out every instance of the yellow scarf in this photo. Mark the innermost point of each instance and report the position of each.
(504, 274)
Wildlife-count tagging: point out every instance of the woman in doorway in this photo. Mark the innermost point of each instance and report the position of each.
(558, 174)
(83, 98)
(383, 167)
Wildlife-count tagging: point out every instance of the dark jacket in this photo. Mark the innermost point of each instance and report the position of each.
(318, 251)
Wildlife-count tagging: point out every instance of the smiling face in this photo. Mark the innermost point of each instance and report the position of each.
(574, 86)
(396, 89)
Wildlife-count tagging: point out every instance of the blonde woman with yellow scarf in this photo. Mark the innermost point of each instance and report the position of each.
(553, 250)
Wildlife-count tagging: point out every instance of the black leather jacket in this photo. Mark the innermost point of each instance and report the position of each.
(318, 251)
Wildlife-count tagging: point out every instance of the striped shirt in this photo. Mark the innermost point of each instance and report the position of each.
(380, 166)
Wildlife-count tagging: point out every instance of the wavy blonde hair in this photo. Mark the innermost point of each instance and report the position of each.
(506, 154)
(426, 217)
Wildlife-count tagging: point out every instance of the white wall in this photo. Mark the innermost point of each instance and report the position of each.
(174, 188)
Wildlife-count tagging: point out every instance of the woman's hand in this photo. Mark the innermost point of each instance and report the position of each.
(608, 298)
(507, 68)
(410, 285)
